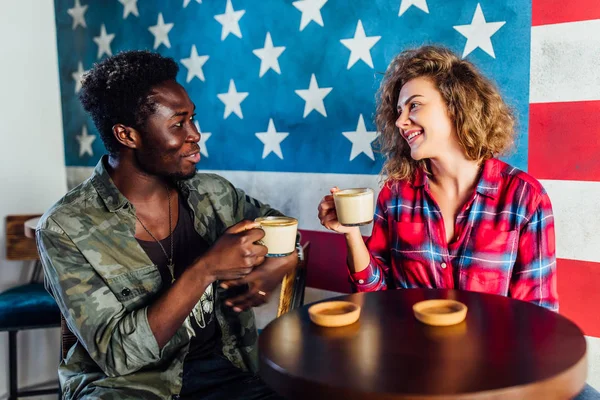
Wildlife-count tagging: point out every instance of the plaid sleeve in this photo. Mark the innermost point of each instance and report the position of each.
(534, 273)
(373, 278)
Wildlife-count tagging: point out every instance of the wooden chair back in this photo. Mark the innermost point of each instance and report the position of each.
(67, 338)
(293, 285)
(20, 247)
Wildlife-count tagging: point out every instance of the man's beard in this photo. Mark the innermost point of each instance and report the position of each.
(146, 164)
(180, 176)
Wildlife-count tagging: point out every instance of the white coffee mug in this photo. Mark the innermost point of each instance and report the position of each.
(280, 235)
(354, 207)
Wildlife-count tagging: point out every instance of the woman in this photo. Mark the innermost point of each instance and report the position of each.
(451, 214)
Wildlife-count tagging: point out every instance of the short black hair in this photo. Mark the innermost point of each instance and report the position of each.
(116, 91)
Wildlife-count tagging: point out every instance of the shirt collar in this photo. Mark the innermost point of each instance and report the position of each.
(488, 184)
(185, 186)
(490, 179)
(111, 196)
(104, 185)
(420, 178)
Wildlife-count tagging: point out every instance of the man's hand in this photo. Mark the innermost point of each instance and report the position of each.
(261, 282)
(234, 254)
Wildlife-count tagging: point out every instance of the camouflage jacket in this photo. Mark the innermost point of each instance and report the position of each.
(104, 282)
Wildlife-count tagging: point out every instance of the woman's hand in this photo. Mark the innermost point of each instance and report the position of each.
(328, 215)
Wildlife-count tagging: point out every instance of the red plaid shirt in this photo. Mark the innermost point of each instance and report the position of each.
(504, 239)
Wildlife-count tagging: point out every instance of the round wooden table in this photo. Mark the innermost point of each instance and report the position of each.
(505, 349)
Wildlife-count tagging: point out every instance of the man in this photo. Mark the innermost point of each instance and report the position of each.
(146, 258)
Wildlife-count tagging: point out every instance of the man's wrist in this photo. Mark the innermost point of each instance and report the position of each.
(199, 273)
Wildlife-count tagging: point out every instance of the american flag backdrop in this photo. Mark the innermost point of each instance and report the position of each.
(285, 96)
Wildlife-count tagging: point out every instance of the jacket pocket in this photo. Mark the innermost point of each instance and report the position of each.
(135, 288)
(487, 263)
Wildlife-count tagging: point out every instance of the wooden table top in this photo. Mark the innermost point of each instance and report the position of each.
(505, 348)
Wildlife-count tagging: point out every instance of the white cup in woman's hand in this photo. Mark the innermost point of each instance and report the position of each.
(328, 214)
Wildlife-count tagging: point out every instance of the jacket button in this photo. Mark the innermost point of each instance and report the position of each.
(125, 292)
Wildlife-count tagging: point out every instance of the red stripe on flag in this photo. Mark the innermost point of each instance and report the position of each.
(578, 293)
(564, 140)
(544, 12)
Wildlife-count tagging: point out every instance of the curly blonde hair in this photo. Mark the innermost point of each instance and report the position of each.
(485, 125)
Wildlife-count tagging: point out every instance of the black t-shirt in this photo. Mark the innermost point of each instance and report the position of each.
(188, 245)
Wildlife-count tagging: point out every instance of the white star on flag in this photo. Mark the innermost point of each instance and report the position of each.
(77, 12)
(361, 140)
(268, 56)
(194, 65)
(230, 21)
(161, 32)
(129, 7)
(186, 2)
(479, 33)
(406, 4)
(360, 46)
(272, 140)
(204, 136)
(103, 42)
(77, 76)
(313, 96)
(232, 100)
(311, 11)
(85, 142)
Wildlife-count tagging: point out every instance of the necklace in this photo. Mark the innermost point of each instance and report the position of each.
(170, 264)
(204, 308)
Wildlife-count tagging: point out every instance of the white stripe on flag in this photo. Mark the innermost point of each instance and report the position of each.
(575, 203)
(564, 62)
(577, 218)
(593, 354)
